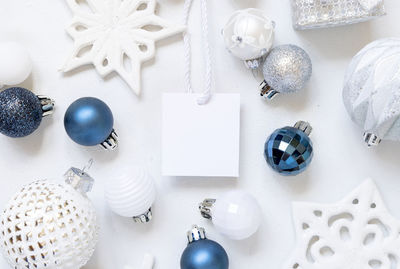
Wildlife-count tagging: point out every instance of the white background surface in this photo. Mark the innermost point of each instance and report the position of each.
(342, 161)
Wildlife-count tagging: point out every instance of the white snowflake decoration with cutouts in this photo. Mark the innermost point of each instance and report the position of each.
(116, 36)
(356, 233)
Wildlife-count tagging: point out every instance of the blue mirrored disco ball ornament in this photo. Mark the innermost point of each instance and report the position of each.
(202, 253)
(289, 150)
(89, 122)
(21, 111)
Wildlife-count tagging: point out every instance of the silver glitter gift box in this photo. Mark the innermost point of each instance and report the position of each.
(309, 14)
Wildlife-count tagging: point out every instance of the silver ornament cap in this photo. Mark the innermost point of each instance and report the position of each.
(196, 234)
(205, 207)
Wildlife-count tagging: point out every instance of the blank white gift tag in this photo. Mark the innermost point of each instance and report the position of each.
(200, 140)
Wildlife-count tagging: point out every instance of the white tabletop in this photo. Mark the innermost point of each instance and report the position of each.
(341, 162)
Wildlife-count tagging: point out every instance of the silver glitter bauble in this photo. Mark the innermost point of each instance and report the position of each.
(371, 91)
(249, 34)
(286, 70)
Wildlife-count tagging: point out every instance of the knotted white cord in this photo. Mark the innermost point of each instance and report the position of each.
(187, 52)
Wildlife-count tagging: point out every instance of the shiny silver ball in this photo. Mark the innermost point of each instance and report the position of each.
(287, 69)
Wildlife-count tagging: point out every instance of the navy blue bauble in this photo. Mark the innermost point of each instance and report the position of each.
(88, 121)
(288, 151)
(20, 112)
(204, 254)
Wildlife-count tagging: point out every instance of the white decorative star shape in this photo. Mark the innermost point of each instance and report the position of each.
(116, 36)
(356, 233)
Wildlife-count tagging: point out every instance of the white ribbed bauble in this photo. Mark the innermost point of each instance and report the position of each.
(235, 214)
(50, 225)
(249, 34)
(15, 63)
(132, 193)
(371, 91)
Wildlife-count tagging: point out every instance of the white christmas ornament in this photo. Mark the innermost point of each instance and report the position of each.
(116, 36)
(235, 214)
(372, 90)
(15, 63)
(249, 34)
(50, 225)
(132, 193)
(356, 233)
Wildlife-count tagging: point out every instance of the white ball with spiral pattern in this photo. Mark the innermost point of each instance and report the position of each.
(132, 193)
(49, 225)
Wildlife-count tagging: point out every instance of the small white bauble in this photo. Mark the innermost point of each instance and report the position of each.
(249, 34)
(235, 214)
(132, 193)
(15, 63)
(50, 225)
(371, 91)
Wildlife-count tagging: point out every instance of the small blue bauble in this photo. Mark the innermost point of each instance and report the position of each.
(20, 112)
(88, 121)
(289, 150)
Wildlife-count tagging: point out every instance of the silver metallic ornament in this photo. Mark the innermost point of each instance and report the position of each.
(371, 91)
(286, 70)
(249, 34)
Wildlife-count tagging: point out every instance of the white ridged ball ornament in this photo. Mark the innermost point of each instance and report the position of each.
(236, 214)
(371, 91)
(15, 63)
(50, 224)
(132, 193)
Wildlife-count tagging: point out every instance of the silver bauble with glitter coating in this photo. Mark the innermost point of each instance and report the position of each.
(249, 34)
(371, 91)
(286, 69)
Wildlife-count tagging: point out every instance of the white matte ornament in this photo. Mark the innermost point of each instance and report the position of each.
(249, 34)
(116, 36)
(15, 63)
(356, 233)
(371, 91)
(48, 225)
(132, 193)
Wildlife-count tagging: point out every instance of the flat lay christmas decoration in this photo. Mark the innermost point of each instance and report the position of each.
(356, 232)
(308, 14)
(116, 36)
(371, 91)
(202, 253)
(131, 193)
(15, 64)
(21, 111)
(50, 224)
(236, 214)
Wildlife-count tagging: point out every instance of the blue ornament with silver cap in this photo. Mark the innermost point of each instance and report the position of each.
(89, 122)
(202, 253)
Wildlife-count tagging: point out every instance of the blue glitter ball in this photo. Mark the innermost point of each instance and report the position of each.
(20, 112)
(88, 121)
(288, 151)
(204, 254)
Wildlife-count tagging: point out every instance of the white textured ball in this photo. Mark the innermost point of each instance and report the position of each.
(15, 63)
(48, 225)
(371, 91)
(131, 193)
(236, 215)
(249, 34)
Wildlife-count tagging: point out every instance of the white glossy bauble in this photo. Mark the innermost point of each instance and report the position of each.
(372, 90)
(131, 193)
(236, 215)
(249, 34)
(48, 225)
(15, 63)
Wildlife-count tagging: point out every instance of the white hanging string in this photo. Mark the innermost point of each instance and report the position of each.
(206, 95)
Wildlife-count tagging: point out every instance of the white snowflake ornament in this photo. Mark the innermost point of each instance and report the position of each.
(116, 36)
(356, 233)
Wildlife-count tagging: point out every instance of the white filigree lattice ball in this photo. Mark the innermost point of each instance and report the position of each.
(48, 225)
(116, 36)
(356, 233)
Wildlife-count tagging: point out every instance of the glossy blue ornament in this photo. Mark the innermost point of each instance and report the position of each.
(289, 150)
(202, 253)
(89, 122)
(21, 111)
